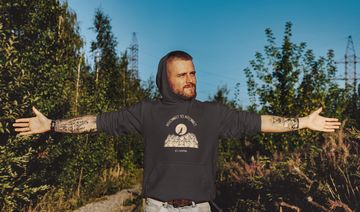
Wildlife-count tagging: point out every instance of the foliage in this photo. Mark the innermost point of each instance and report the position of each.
(15, 185)
(35, 54)
(321, 171)
(221, 96)
(40, 61)
(323, 177)
(288, 80)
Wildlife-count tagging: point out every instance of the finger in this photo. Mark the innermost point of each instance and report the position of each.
(23, 129)
(328, 130)
(22, 124)
(331, 119)
(318, 110)
(36, 111)
(332, 127)
(23, 120)
(333, 122)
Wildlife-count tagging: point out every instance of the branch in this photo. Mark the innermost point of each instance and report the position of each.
(287, 205)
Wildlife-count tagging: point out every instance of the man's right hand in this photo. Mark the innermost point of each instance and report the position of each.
(34, 125)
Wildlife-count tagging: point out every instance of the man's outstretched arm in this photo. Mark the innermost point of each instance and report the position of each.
(41, 124)
(314, 122)
(84, 124)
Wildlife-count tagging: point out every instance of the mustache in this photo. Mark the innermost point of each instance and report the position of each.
(190, 85)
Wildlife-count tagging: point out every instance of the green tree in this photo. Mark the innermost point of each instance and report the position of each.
(289, 81)
(39, 51)
(221, 96)
(107, 71)
(15, 185)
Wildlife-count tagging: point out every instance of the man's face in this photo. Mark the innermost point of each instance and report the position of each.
(181, 77)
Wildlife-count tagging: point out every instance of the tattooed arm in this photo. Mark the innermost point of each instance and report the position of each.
(281, 124)
(84, 124)
(314, 122)
(41, 124)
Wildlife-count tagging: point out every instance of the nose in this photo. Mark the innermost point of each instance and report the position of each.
(190, 78)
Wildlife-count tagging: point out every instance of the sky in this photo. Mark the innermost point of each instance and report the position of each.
(221, 35)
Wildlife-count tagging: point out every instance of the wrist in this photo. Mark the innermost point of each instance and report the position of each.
(303, 122)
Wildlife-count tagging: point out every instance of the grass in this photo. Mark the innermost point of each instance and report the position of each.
(321, 177)
(111, 180)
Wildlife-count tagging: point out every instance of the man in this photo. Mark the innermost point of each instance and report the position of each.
(180, 133)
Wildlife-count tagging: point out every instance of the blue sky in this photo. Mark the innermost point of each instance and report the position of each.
(222, 36)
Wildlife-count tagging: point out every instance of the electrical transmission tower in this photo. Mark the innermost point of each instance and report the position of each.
(350, 60)
(134, 55)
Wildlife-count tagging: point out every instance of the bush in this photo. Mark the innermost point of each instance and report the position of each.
(322, 176)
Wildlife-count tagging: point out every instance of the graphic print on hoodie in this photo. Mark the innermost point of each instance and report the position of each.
(180, 138)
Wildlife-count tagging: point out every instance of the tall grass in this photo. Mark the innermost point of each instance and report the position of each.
(110, 181)
(320, 177)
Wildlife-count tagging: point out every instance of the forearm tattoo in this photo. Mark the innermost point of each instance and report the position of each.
(85, 124)
(287, 123)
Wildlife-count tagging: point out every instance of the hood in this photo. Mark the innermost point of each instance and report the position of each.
(163, 85)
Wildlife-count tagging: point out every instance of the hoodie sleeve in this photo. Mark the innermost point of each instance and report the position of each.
(124, 122)
(237, 124)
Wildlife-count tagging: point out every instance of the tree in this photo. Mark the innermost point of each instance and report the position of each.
(221, 96)
(288, 80)
(39, 50)
(107, 72)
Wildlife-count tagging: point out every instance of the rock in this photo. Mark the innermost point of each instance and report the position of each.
(113, 202)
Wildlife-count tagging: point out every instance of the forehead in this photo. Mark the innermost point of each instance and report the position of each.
(177, 65)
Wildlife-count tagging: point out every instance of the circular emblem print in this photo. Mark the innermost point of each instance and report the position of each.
(180, 129)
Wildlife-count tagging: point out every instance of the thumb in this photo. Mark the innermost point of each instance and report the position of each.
(318, 111)
(37, 113)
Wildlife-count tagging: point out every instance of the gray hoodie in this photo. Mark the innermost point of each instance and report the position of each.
(181, 140)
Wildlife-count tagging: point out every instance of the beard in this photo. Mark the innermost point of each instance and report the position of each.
(186, 93)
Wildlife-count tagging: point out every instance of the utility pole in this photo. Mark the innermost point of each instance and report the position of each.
(134, 56)
(133, 60)
(350, 60)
